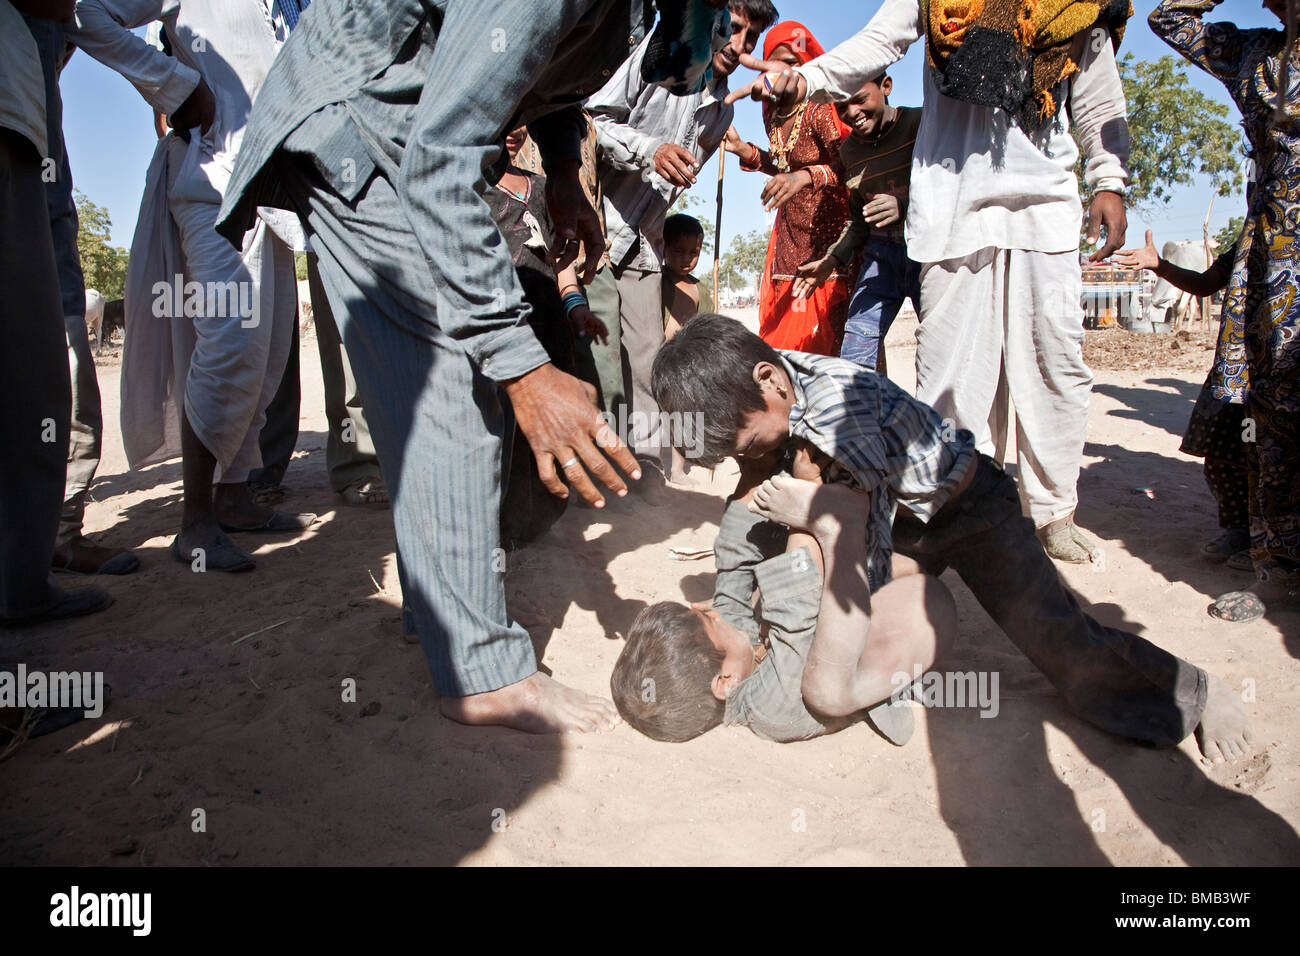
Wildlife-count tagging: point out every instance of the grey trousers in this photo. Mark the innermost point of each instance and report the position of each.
(34, 385)
(438, 426)
(349, 451)
(630, 303)
(87, 421)
(1119, 681)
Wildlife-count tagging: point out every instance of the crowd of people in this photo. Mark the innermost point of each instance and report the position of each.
(484, 194)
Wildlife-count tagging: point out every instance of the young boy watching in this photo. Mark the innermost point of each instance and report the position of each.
(877, 158)
(684, 296)
(955, 508)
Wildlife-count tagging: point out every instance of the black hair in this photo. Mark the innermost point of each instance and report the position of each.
(707, 369)
(680, 225)
(759, 13)
(663, 680)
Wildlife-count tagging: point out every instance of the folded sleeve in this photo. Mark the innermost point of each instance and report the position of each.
(103, 29)
(839, 73)
(471, 94)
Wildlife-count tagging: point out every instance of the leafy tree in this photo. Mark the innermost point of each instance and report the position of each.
(300, 265)
(1226, 236)
(102, 264)
(1177, 134)
(744, 259)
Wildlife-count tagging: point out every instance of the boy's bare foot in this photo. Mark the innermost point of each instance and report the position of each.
(805, 505)
(538, 705)
(1224, 732)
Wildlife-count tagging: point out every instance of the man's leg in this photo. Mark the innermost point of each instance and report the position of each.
(350, 451)
(34, 380)
(438, 427)
(72, 551)
(959, 346)
(279, 436)
(604, 363)
(641, 306)
(1050, 385)
(1116, 680)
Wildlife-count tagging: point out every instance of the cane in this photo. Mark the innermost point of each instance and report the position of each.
(717, 226)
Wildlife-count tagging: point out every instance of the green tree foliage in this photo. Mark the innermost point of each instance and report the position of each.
(744, 259)
(300, 265)
(1178, 134)
(102, 264)
(1226, 236)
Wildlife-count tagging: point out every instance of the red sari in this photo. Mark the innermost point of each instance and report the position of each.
(809, 222)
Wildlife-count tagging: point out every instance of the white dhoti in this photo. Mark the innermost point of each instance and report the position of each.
(1004, 326)
(209, 323)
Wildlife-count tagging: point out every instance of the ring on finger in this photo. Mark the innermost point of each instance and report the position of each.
(569, 464)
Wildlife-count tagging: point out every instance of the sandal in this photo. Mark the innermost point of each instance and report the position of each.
(276, 521)
(1227, 545)
(1240, 561)
(367, 492)
(1237, 607)
(224, 556)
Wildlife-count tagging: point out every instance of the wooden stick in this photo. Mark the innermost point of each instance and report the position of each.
(717, 226)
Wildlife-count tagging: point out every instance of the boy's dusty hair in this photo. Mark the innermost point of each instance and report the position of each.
(663, 681)
(679, 226)
(708, 369)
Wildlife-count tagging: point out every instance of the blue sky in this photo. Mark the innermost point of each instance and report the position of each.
(110, 135)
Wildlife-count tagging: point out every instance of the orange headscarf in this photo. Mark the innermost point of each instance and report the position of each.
(798, 38)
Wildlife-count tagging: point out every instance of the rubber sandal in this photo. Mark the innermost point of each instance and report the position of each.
(1228, 544)
(1240, 562)
(368, 492)
(75, 602)
(81, 556)
(225, 556)
(1237, 607)
(275, 522)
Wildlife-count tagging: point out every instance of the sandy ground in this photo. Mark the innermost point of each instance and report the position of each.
(253, 730)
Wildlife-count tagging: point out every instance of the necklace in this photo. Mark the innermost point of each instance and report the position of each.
(783, 146)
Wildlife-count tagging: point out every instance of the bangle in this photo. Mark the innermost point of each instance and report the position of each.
(572, 300)
(755, 158)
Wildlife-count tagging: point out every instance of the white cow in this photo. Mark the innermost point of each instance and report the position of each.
(94, 312)
(1189, 255)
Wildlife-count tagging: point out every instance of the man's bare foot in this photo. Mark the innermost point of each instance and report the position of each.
(806, 505)
(1224, 732)
(537, 705)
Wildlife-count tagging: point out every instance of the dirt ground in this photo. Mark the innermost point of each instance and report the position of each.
(226, 694)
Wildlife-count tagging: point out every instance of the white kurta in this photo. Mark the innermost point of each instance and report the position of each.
(206, 322)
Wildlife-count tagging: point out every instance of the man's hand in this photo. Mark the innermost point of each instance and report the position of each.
(779, 85)
(557, 414)
(676, 165)
(810, 275)
(199, 109)
(882, 209)
(575, 221)
(1145, 258)
(1107, 209)
(585, 323)
(781, 188)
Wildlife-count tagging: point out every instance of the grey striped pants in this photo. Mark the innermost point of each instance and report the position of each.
(438, 426)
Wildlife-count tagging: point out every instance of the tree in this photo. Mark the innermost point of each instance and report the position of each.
(102, 264)
(1177, 134)
(744, 259)
(300, 266)
(1227, 236)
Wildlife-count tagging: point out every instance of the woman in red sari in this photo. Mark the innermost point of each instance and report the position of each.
(807, 191)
